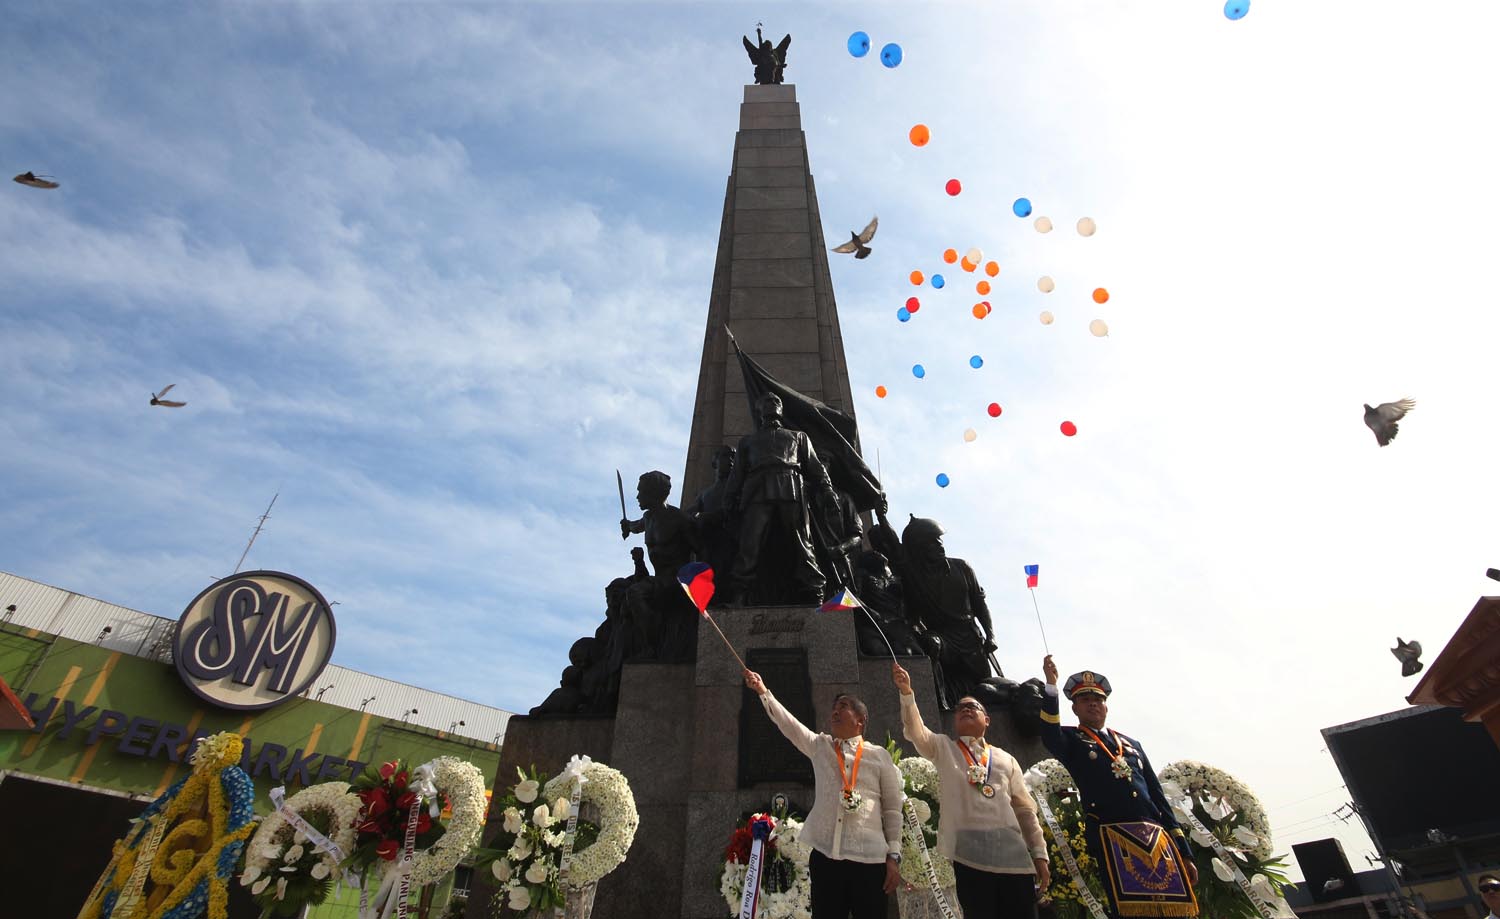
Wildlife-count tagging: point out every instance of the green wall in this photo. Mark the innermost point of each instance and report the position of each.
(86, 675)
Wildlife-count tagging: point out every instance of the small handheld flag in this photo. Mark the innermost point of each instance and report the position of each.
(697, 580)
(841, 602)
(845, 601)
(1031, 576)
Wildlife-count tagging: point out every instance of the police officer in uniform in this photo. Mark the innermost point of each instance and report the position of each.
(1144, 859)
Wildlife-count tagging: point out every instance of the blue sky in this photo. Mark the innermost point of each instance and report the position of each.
(434, 271)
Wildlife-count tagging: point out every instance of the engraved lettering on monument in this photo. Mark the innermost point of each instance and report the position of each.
(765, 755)
(764, 624)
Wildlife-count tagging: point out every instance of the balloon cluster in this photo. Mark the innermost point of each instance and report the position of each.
(890, 55)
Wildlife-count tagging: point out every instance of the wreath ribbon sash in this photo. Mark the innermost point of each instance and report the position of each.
(408, 852)
(1261, 906)
(928, 867)
(1075, 874)
(750, 894)
(574, 768)
(278, 801)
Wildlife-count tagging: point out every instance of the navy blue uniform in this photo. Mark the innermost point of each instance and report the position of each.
(1108, 798)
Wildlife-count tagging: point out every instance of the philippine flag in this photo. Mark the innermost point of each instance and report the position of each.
(841, 602)
(697, 580)
(1031, 571)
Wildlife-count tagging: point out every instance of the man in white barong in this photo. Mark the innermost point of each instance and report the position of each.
(988, 826)
(854, 828)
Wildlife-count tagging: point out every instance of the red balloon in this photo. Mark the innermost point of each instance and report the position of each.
(953, 187)
(913, 304)
(1069, 428)
(994, 409)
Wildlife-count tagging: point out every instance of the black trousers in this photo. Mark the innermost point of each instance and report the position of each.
(841, 889)
(990, 895)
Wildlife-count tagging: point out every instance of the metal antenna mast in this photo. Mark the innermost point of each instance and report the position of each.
(260, 523)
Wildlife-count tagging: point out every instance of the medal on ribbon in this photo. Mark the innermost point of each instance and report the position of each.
(851, 798)
(978, 772)
(1117, 763)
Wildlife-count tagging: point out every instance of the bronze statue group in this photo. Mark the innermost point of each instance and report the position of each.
(777, 528)
(988, 824)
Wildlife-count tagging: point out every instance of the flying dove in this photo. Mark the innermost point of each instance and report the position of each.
(858, 241)
(1407, 653)
(35, 181)
(1382, 419)
(156, 398)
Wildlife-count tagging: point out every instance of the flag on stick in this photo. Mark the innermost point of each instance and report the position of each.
(697, 580)
(841, 602)
(845, 601)
(1031, 576)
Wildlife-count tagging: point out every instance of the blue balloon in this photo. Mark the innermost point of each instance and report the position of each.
(937, 281)
(918, 371)
(1236, 9)
(859, 44)
(903, 314)
(1022, 207)
(976, 362)
(890, 55)
(943, 480)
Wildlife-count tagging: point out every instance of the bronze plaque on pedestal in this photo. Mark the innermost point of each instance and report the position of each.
(765, 755)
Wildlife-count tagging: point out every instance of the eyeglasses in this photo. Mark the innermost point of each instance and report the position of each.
(970, 707)
(1488, 888)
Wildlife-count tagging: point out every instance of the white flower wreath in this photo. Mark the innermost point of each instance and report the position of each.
(921, 778)
(1222, 795)
(1050, 777)
(463, 783)
(609, 792)
(792, 903)
(276, 838)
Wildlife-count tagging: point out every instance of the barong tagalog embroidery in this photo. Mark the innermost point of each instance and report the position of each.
(979, 770)
(1117, 763)
(851, 798)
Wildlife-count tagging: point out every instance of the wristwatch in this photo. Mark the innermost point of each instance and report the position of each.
(894, 856)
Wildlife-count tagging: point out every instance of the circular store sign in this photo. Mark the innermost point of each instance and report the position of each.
(253, 640)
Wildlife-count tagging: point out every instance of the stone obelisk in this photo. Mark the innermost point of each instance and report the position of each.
(771, 285)
(695, 745)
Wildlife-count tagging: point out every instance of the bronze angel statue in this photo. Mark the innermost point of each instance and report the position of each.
(769, 62)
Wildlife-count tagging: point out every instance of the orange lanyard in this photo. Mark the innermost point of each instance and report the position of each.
(972, 761)
(853, 774)
(1100, 741)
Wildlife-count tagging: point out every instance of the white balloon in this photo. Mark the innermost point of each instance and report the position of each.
(969, 435)
(1045, 285)
(1086, 226)
(1046, 317)
(1099, 328)
(974, 256)
(1044, 224)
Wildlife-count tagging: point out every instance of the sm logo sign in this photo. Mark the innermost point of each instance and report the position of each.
(253, 640)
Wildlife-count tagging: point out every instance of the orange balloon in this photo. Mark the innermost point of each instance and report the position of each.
(920, 135)
(916, 278)
(982, 309)
(982, 288)
(880, 392)
(992, 269)
(967, 265)
(1100, 295)
(950, 255)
